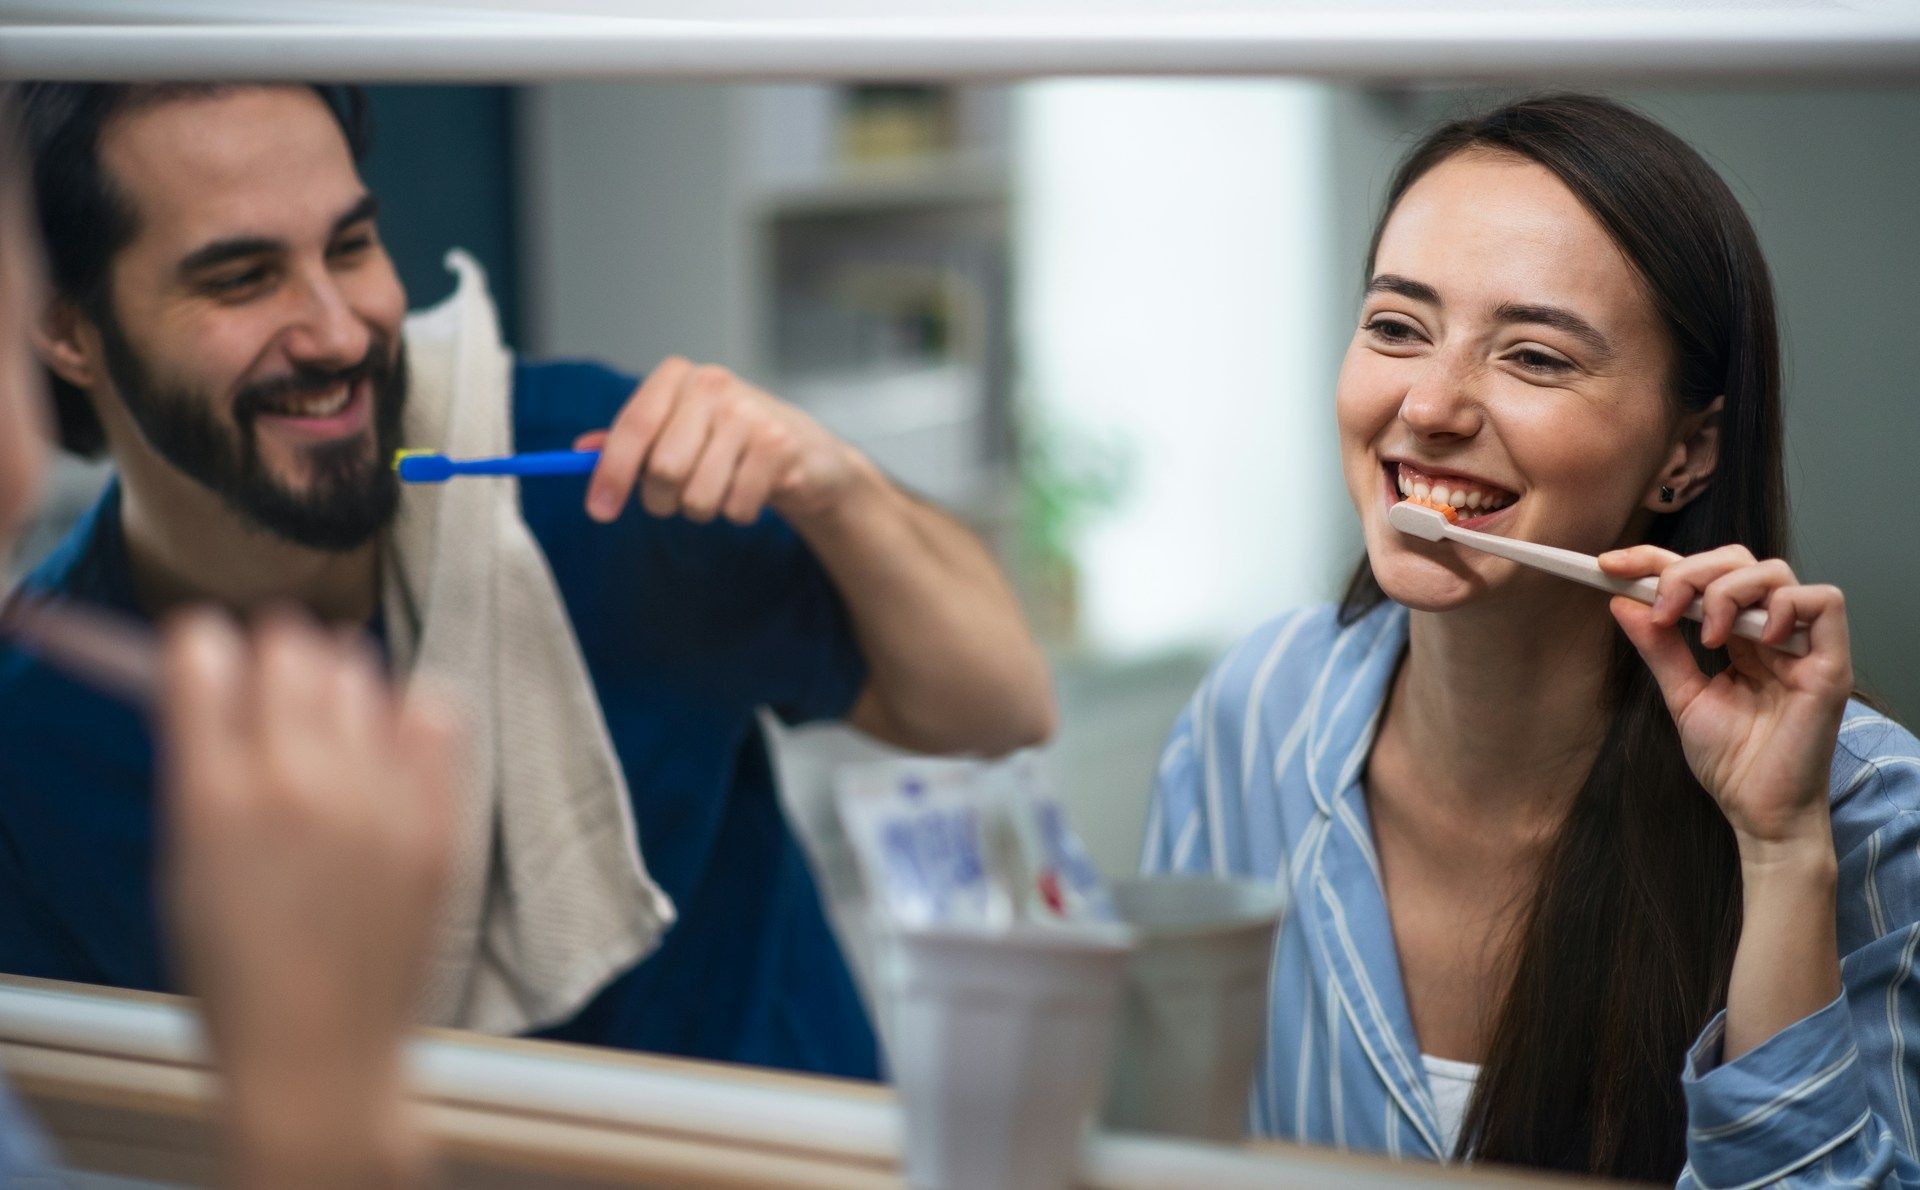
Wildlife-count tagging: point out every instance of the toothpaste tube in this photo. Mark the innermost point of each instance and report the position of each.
(1069, 879)
(924, 844)
(1058, 879)
(971, 842)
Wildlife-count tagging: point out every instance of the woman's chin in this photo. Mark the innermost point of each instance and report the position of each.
(1424, 584)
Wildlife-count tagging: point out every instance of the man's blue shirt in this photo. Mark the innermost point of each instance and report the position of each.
(686, 630)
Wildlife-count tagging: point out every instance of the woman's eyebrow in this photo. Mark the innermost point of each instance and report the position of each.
(1554, 316)
(1406, 287)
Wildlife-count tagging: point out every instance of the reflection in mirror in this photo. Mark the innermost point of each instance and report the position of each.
(1084, 335)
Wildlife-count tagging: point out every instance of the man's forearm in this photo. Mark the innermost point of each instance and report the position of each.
(952, 665)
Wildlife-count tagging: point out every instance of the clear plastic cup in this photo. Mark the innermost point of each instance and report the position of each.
(1194, 1011)
(1001, 1041)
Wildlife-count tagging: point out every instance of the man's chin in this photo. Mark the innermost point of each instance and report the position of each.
(333, 516)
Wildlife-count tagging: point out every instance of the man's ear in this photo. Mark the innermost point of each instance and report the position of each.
(68, 343)
(1691, 460)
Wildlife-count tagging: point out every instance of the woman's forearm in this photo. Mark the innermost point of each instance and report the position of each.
(1787, 965)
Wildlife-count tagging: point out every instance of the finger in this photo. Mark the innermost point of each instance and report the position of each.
(1752, 660)
(1823, 609)
(1725, 597)
(291, 713)
(1781, 618)
(356, 719)
(681, 441)
(714, 474)
(631, 436)
(766, 459)
(201, 667)
(1684, 580)
(1636, 561)
(591, 440)
(1663, 649)
(791, 478)
(428, 743)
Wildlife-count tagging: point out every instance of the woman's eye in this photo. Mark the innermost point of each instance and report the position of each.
(1392, 330)
(1540, 361)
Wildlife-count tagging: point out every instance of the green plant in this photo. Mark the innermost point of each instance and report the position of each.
(1070, 476)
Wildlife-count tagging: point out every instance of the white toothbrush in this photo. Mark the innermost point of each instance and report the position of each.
(1430, 524)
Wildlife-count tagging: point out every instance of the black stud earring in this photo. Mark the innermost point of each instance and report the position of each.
(1666, 494)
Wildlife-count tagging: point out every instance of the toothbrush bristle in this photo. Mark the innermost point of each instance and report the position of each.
(1446, 510)
(420, 466)
(1418, 518)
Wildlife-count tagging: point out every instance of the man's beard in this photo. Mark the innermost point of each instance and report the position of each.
(351, 494)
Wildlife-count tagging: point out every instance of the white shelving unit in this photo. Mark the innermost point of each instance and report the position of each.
(729, 224)
(881, 283)
(976, 178)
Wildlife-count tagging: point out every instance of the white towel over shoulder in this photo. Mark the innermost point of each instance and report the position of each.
(549, 897)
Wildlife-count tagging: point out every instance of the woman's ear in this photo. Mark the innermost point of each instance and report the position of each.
(1691, 460)
(66, 341)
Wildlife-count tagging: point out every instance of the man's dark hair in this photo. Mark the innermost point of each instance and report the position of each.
(85, 220)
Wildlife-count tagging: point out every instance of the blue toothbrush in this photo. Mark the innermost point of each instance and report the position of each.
(419, 466)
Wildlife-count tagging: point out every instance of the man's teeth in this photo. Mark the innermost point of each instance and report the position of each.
(1458, 497)
(325, 405)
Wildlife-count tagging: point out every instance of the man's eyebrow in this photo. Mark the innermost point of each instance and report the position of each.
(1406, 287)
(366, 208)
(220, 252)
(1554, 316)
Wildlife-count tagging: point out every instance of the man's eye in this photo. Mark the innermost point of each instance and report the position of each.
(353, 246)
(232, 283)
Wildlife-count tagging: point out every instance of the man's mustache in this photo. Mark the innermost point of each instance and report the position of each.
(310, 382)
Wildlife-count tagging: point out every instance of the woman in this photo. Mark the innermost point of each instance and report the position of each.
(1575, 886)
(307, 825)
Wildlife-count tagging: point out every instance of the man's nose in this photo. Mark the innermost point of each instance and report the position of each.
(326, 332)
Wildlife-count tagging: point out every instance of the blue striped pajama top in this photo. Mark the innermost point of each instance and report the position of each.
(1261, 778)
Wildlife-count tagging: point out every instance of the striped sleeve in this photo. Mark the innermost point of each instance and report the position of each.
(1832, 1099)
(1176, 841)
(1792, 1110)
(1198, 822)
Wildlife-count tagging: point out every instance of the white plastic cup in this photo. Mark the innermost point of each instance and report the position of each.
(1194, 1011)
(1000, 1048)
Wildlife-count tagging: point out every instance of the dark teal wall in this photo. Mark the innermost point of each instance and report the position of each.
(443, 165)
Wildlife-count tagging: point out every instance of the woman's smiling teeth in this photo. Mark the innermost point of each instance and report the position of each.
(1466, 497)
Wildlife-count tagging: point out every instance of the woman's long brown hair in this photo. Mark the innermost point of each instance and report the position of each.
(1624, 951)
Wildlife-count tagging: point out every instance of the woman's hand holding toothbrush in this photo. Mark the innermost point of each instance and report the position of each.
(1759, 735)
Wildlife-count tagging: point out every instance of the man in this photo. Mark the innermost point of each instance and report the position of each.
(228, 325)
(301, 896)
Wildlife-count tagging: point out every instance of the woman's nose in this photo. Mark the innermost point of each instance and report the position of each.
(1442, 402)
